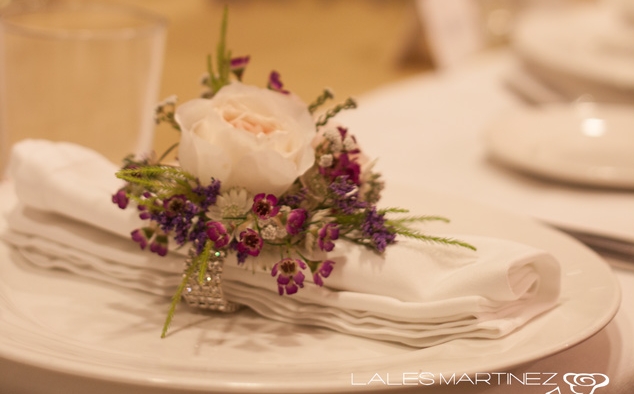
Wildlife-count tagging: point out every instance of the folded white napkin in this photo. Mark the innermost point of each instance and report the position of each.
(417, 294)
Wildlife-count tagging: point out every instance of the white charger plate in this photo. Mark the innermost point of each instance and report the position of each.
(89, 333)
(584, 143)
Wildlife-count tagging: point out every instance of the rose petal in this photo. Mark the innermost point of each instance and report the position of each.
(264, 171)
(247, 136)
(211, 161)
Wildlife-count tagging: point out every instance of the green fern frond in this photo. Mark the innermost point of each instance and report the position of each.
(433, 239)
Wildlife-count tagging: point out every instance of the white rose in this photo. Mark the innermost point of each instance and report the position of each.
(246, 136)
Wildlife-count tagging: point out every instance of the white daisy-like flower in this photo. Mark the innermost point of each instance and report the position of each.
(233, 203)
(325, 160)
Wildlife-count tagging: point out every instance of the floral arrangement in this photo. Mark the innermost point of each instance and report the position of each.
(259, 170)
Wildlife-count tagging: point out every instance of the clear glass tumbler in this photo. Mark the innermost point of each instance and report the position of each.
(87, 73)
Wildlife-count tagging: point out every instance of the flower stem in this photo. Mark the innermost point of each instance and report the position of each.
(202, 260)
(167, 152)
(319, 101)
(176, 298)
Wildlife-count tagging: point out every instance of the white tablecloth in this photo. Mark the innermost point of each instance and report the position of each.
(427, 132)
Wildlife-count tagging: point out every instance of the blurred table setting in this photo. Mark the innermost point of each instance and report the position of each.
(516, 117)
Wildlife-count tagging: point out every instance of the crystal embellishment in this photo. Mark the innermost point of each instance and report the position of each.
(209, 295)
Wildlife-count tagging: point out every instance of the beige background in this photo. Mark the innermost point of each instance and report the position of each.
(349, 46)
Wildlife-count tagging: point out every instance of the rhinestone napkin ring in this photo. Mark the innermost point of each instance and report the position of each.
(209, 295)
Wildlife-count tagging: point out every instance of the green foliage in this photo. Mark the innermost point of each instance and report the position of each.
(223, 60)
(332, 112)
(319, 101)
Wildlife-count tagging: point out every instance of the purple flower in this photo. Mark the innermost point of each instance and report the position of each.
(177, 216)
(265, 206)
(343, 166)
(275, 83)
(208, 193)
(217, 232)
(373, 226)
(249, 243)
(175, 204)
(290, 277)
(120, 198)
(238, 64)
(198, 236)
(327, 234)
(142, 236)
(346, 195)
(144, 214)
(323, 271)
(159, 245)
(295, 221)
(293, 200)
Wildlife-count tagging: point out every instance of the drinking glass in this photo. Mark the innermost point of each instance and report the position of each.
(87, 73)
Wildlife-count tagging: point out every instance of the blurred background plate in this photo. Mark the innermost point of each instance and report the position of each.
(582, 50)
(581, 143)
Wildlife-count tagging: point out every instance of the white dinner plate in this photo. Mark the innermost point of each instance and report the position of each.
(584, 143)
(91, 332)
(588, 49)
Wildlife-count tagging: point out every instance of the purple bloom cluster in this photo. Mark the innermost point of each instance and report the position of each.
(347, 166)
(156, 240)
(249, 244)
(328, 233)
(296, 220)
(208, 193)
(374, 228)
(176, 216)
(265, 206)
(346, 195)
(293, 200)
(121, 198)
(217, 232)
(198, 235)
(344, 162)
(323, 271)
(275, 83)
(289, 276)
(237, 66)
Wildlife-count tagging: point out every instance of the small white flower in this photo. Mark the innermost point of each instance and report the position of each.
(333, 136)
(325, 160)
(231, 204)
(281, 232)
(349, 144)
(170, 100)
(269, 232)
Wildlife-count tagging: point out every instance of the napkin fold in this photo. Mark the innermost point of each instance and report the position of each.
(416, 294)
